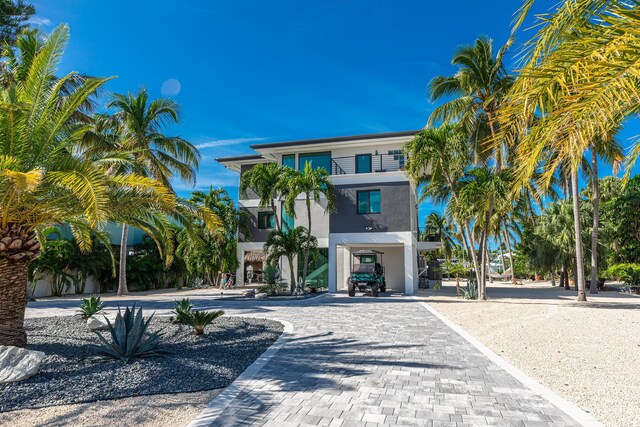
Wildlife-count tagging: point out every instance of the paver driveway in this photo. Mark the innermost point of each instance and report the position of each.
(375, 361)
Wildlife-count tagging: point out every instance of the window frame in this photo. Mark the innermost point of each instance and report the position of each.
(368, 202)
(288, 156)
(268, 225)
(302, 164)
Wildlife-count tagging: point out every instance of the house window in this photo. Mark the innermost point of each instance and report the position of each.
(317, 160)
(287, 220)
(289, 160)
(398, 156)
(368, 202)
(266, 220)
(363, 163)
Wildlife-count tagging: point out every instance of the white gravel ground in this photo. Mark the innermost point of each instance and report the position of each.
(167, 410)
(587, 352)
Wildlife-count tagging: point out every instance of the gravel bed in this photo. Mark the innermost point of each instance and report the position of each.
(194, 363)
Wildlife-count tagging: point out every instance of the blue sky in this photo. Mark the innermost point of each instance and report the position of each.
(257, 71)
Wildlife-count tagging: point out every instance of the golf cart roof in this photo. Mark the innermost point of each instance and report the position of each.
(366, 252)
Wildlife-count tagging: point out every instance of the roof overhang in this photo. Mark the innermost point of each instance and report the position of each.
(236, 162)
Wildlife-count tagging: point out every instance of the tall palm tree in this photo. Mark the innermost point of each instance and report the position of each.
(288, 244)
(478, 89)
(314, 184)
(156, 155)
(437, 159)
(43, 182)
(266, 180)
(579, 83)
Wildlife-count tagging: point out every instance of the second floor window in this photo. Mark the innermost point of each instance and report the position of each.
(289, 160)
(317, 160)
(266, 220)
(368, 202)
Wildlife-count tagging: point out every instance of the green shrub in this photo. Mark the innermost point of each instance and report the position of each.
(129, 337)
(629, 273)
(273, 288)
(270, 275)
(181, 311)
(89, 307)
(200, 319)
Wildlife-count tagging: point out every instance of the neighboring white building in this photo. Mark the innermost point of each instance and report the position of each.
(376, 207)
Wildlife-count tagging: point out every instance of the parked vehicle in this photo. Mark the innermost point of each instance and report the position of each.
(367, 273)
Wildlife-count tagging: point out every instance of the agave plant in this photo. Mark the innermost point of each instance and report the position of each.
(200, 319)
(89, 307)
(470, 291)
(129, 337)
(182, 311)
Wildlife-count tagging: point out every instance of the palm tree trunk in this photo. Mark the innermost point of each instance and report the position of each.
(292, 281)
(482, 294)
(13, 300)
(582, 296)
(553, 278)
(508, 240)
(504, 268)
(275, 216)
(306, 251)
(593, 288)
(122, 276)
(564, 279)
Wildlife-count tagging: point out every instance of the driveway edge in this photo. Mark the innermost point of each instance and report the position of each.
(579, 415)
(220, 403)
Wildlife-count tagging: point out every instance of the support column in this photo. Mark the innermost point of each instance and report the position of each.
(410, 268)
(333, 263)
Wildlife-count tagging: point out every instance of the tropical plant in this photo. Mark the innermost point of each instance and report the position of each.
(130, 337)
(201, 319)
(53, 264)
(627, 272)
(470, 291)
(140, 123)
(181, 311)
(314, 184)
(42, 181)
(437, 225)
(14, 16)
(267, 182)
(288, 244)
(89, 307)
(456, 269)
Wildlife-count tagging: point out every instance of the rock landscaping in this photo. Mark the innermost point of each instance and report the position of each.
(17, 364)
(69, 374)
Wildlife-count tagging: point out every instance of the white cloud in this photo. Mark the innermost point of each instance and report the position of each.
(226, 142)
(39, 20)
(170, 87)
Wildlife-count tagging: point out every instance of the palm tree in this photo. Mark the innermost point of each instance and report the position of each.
(155, 155)
(477, 88)
(314, 184)
(437, 159)
(266, 180)
(288, 244)
(578, 84)
(42, 182)
(438, 225)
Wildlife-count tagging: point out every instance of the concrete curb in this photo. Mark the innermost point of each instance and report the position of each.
(220, 403)
(580, 416)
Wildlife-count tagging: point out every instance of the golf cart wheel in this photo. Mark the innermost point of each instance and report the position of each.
(374, 291)
(383, 287)
(352, 289)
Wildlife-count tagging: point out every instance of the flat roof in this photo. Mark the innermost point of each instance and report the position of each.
(334, 139)
(238, 158)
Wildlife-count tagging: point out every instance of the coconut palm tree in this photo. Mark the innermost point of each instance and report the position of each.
(437, 159)
(314, 184)
(155, 155)
(477, 88)
(266, 180)
(43, 182)
(288, 244)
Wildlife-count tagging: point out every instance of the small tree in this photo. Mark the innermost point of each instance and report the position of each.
(288, 244)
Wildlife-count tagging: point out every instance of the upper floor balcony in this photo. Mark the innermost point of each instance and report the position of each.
(368, 163)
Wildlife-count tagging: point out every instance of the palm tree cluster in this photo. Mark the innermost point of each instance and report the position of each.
(508, 141)
(60, 163)
(277, 185)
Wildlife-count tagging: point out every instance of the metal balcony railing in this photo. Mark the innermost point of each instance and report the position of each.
(379, 163)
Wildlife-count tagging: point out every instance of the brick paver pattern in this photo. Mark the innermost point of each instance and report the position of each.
(373, 362)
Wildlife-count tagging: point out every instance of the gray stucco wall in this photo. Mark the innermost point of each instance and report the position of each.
(250, 193)
(257, 234)
(395, 213)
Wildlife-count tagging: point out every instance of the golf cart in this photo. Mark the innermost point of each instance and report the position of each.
(367, 274)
